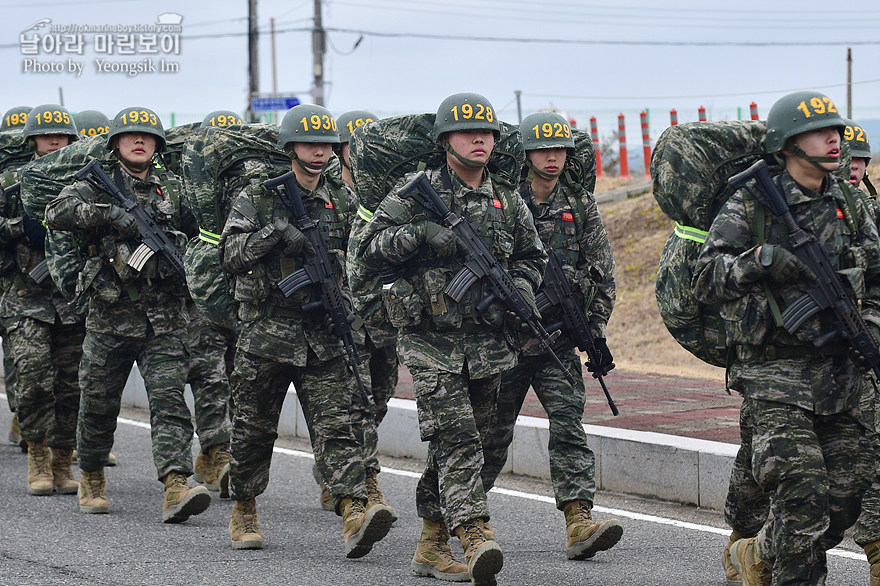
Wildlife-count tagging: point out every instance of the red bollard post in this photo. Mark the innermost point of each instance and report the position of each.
(646, 142)
(594, 134)
(624, 162)
(753, 110)
(702, 113)
(673, 117)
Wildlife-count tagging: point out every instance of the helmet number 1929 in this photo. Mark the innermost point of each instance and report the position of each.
(817, 105)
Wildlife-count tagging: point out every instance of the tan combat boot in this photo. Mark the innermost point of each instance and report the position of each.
(62, 476)
(746, 562)
(586, 537)
(374, 494)
(433, 556)
(482, 554)
(733, 577)
(181, 501)
(212, 469)
(39, 476)
(326, 498)
(243, 528)
(93, 492)
(872, 550)
(362, 526)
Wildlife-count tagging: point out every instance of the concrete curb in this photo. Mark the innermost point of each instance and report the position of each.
(622, 193)
(653, 465)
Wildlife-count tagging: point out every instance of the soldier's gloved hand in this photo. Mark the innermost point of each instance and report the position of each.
(124, 222)
(12, 229)
(513, 320)
(781, 265)
(34, 231)
(440, 238)
(605, 359)
(293, 239)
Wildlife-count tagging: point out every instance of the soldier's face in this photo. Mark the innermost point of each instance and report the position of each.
(49, 143)
(314, 154)
(476, 145)
(345, 156)
(550, 161)
(136, 148)
(858, 169)
(823, 142)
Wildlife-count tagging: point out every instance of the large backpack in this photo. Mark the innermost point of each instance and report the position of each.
(383, 151)
(13, 153)
(218, 163)
(581, 168)
(175, 137)
(690, 166)
(41, 182)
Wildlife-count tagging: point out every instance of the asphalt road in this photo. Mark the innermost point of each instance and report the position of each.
(46, 541)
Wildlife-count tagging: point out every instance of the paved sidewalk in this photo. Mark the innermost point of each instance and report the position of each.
(687, 407)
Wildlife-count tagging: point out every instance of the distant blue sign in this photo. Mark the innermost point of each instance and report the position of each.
(273, 104)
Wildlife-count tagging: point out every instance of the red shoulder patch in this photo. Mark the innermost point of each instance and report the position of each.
(329, 206)
(567, 217)
(839, 214)
(496, 203)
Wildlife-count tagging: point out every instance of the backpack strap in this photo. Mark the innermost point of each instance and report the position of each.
(759, 229)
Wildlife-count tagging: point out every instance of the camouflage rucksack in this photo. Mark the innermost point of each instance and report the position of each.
(690, 166)
(218, 163)
(383, 151)
(581, 168)
(13, 152)
(175, 137)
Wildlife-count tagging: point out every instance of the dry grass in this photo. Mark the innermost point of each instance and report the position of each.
(636, 334)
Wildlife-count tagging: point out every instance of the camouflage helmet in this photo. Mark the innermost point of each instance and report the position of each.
(797, 113)
(346, 123)
(221, 118)
(857, 138)
(137, 119)
(546, 130)
(91, 123)
(465, 111)
(15, 118)
(307, 123)
(49, 119)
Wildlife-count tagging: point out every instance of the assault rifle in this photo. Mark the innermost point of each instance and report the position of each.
(153, 238)
(557, 292)
(827, 292)
(40, 272)
(480, 263)
(318, 270)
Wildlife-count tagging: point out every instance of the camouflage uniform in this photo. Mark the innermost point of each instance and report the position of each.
(456, 357)
(574, 230)
(279, 343)
(45, 339)
(131, 317)
(807, 441)
(211, 349)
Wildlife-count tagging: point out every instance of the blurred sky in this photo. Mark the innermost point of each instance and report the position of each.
(597, 57)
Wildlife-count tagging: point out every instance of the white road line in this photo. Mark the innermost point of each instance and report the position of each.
(540, 498)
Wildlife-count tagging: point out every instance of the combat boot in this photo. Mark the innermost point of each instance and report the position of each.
(872, 550)
(433, 556)
(362, 526)
(326, 498)
(62, 476)
(733, 577)
(586, 537)
(243, 528)
(181, 501)
(212, 469)
(39, 476)
(481, 553)
(374, 494)
(744, 559)
(93, 492)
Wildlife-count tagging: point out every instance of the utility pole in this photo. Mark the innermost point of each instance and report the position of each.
(849, 83)
(518, 94)
(253, 62)
(318, 47)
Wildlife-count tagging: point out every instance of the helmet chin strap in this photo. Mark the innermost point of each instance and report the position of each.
(307, 167)
(534, 170)
(473, 164)
(132, 166)
(813, 160)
